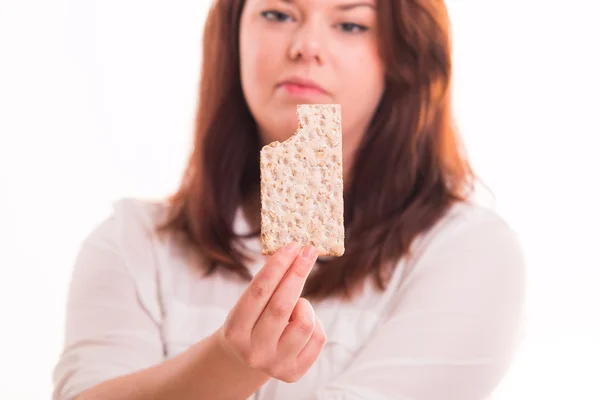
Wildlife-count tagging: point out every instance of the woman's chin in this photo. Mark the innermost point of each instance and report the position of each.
(270, 138)
(282, 129)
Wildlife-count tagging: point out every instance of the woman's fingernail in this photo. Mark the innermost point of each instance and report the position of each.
(292, 248)
(309, 252)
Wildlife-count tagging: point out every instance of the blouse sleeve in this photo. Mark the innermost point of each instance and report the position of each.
(454, 325)
(109, 332)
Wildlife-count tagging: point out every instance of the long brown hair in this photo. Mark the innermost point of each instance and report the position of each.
(409, 168)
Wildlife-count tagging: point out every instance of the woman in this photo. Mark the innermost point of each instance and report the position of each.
(174, 300)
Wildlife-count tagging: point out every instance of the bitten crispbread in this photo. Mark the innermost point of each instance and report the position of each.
(301, 184)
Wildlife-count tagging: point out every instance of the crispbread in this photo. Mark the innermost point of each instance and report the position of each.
(301, 184)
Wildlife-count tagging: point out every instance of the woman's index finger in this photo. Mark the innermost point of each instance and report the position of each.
(258, 293)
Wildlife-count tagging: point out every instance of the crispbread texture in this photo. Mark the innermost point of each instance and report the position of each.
(301, 184)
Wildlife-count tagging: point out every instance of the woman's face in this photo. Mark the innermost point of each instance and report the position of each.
(310, 52)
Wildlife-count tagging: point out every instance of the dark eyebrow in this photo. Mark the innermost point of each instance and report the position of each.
(350, 6)
(344, 7)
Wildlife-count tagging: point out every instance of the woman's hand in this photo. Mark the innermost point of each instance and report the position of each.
(269, 333)
(271, 328)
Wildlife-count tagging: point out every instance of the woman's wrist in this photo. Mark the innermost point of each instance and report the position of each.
(222, 351)
(223, 373)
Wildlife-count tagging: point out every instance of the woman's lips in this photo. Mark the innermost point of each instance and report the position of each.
(301, 88)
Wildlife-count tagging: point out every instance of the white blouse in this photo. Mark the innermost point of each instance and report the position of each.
(446, 327)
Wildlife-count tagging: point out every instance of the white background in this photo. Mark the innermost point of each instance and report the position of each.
(97, 101)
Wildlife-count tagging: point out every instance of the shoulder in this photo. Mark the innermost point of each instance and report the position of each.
(472, 241)
(466, 215)
(130, 231)
(470, 224)
(126, 239)
(138, 214)
(124, 247)
(130, 220)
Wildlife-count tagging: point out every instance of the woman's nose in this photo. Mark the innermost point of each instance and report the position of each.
(307, 44)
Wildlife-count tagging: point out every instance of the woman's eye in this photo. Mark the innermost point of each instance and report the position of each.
(352, 28)
(276, 16)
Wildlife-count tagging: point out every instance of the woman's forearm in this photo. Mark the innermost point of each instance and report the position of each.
(205, 371)
(270, 332)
